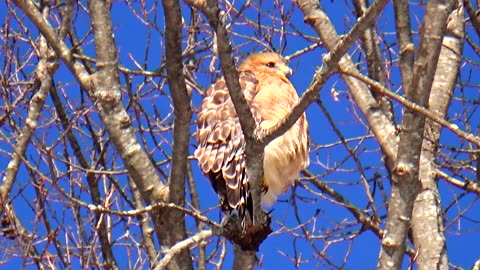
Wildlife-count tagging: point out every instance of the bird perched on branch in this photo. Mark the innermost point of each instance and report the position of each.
(221, 149)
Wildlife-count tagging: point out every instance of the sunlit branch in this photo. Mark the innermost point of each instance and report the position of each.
(413, 106)
(173, 225)
(382, 128)
(195, 239)
(330, 63)
(53, 40)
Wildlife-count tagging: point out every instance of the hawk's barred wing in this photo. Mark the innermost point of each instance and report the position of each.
(220, 152)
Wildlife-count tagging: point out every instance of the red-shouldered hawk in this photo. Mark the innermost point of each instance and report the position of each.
(220, 152)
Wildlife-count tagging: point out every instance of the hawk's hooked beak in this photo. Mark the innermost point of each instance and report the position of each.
(285, 70)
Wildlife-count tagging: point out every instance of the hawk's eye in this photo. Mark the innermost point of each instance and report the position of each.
(270, 64)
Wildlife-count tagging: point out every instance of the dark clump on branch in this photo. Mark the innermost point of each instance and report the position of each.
(248, 235)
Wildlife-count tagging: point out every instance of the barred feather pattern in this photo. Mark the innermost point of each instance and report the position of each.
(220, 152)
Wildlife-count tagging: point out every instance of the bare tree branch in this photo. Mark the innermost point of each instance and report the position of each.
(382, 128)
(338, 47)
(427, 224)
(405, 182)
(413, 106)
(173, 230)
(135, 159)
(405, 43)
(53, 40)
(178, 247)
(253, 149)
(244, 259)
(370, 42)
(43, 80)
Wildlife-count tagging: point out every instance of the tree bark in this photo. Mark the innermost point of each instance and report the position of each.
(427, 223)
(173, 221)
(405, 180)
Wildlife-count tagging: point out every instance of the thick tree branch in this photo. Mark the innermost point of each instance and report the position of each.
(244, 259)
(253, 149)
(113, 115)
(405, 182)
(382, 128)
(173, 222)
(473, 16)
(427, 223)
(108, 85)
(373, 55)
(338, 47)
(43, 83)
(413, 106)
(216, 19)
(183, 245)
(55, 42)
(140, 168)
(405, 43)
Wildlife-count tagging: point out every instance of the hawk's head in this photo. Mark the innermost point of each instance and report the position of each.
(267, 62)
